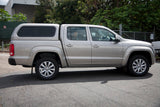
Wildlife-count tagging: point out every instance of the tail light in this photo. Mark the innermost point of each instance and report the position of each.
(11, 49)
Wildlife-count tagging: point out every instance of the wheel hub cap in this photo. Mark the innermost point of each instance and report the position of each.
(47, 68)
(139, 66)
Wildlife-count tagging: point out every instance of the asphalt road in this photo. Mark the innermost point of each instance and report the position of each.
(89, 87)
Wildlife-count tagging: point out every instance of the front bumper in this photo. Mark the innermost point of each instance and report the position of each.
(11, 61)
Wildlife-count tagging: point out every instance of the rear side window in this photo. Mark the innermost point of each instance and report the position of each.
(37, 31)
(77, 33)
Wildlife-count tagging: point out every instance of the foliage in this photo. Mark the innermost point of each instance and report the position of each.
(88, 8)
(4, 16)
(19, 17)
(59, 11)
(44, 8)
(139, 16)
(134, 15)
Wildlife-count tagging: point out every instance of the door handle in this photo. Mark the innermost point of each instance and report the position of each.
(69, 45)
(95, 46)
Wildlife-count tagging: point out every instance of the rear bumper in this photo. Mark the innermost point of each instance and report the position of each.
(11, 61)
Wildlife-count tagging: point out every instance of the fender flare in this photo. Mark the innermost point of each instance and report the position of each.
(46, 49)
(132, 49)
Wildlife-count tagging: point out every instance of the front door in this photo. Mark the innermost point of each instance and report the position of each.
(105, 51)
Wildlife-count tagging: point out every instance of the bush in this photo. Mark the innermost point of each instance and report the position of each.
(4, 16)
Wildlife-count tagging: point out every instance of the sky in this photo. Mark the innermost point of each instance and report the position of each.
(3, 2)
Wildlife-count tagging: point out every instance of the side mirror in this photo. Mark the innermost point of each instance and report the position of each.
(117, 40)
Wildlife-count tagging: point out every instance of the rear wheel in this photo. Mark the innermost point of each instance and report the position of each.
(47, 68)
(138, 65)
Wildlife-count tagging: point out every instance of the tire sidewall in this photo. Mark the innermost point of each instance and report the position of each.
(130, 69)
(41, 61)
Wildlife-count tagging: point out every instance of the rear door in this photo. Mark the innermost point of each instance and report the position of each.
(77, 45)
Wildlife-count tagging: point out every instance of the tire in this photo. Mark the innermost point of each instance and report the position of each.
(138, 65)
(46, 68)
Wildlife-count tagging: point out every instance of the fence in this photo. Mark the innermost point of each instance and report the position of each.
(6, 29)
(143, 36)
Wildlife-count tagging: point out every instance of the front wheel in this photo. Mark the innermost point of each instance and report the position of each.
(138, 65)
(46, 68)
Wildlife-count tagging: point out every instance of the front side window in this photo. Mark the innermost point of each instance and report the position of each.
(100, 34)
(37, 31)
(77, 33)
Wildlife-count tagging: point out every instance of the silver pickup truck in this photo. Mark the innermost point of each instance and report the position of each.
(50, 46)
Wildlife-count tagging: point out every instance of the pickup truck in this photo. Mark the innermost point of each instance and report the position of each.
(47, 47)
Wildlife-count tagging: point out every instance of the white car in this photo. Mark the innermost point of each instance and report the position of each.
(156, 46)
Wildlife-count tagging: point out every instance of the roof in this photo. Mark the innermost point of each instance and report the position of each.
(26, 2)
(23, 2)
(3, 2)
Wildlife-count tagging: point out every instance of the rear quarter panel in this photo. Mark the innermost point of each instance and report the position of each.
(25, 51)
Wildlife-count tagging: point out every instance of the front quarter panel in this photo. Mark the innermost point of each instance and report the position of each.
(132, 49)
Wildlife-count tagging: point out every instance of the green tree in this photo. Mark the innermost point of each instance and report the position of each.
(134, 15)
(4, 16)
(44, 8)
(57, 11)
(88, 8)
(19, 17)
(67, 11)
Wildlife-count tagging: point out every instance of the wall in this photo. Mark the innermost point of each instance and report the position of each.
(26, 7)
(8, 7)
(28, 10)
(1, 7)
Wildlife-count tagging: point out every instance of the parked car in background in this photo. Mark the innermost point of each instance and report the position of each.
(156, 46)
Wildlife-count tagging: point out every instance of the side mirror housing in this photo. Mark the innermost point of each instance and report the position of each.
(117, 40)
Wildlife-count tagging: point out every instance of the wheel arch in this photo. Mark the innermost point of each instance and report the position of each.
(40, 55)
(54, 51)
(144, 51)
(146, 54)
